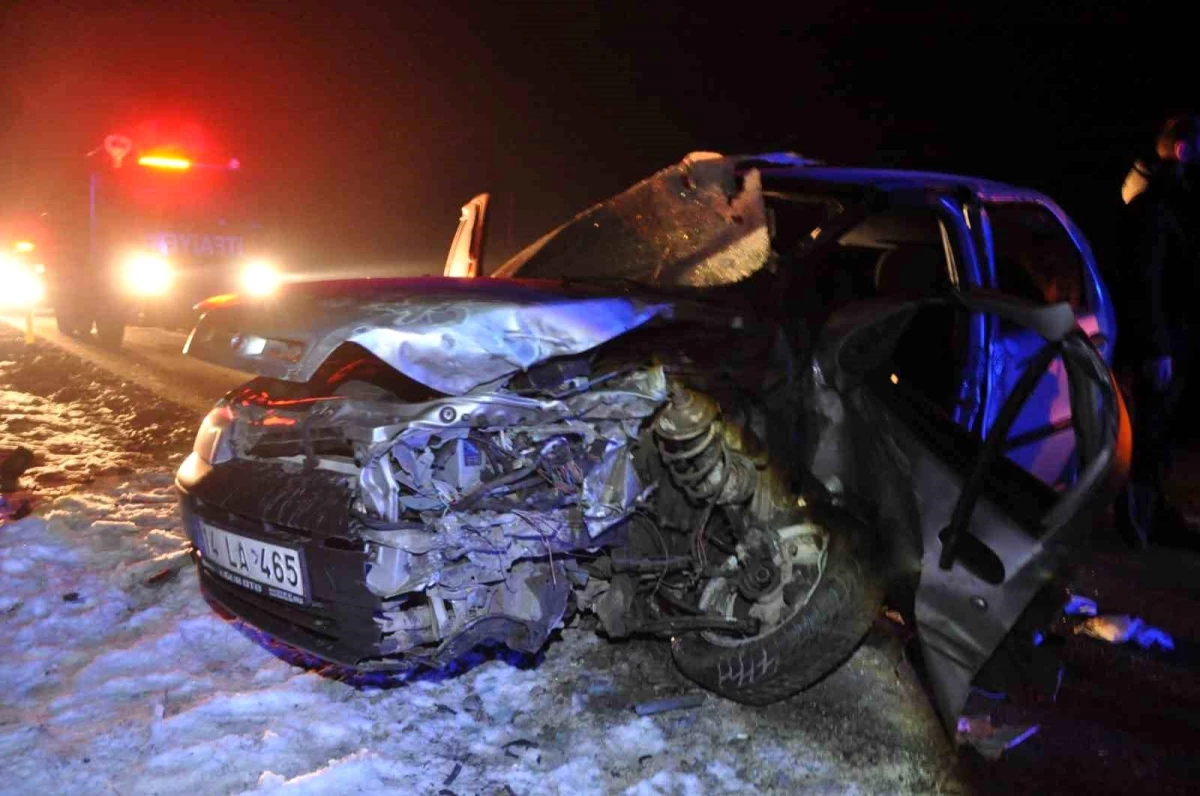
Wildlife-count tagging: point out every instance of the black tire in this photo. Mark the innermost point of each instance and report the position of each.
(65, 324)
(814, 642)
(109, 332)
(71, 321)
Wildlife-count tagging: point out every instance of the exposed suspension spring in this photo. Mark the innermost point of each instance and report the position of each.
(690, 439)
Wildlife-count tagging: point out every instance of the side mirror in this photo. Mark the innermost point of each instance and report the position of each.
(466, 250)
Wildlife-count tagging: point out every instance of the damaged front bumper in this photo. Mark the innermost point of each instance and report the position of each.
(338, 618)
(403, 554)
(336, 621)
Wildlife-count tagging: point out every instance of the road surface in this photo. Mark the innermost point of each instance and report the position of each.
(152, 358)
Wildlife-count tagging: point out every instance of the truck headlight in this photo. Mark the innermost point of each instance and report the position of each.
(260, 278)
(20, 286)
(147, 274)
(208, 439)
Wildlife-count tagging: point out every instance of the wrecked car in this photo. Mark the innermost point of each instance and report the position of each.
(737, 406)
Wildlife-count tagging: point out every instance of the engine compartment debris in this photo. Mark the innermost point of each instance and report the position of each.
(493, 515)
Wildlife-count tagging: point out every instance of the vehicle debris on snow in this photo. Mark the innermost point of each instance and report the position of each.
(1078, 605)
(681, 702)
(991, 740)
(1122, 628)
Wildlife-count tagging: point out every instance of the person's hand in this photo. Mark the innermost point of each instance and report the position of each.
(1161, 372)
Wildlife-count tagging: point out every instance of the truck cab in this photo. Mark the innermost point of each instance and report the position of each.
(160, 233)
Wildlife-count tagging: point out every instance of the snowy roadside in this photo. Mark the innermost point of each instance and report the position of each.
(118, 678)
(80, 421)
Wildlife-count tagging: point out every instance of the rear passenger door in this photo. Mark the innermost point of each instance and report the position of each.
(1031, 255)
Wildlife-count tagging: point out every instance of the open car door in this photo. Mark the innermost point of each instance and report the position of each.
(1034, 256)
(466, 250)
(991, 533)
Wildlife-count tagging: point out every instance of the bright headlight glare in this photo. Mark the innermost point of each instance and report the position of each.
(260, 278)
(208, 439)
(20, 287)
(147, 274)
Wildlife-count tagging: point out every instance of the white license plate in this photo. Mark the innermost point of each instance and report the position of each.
(259, 566)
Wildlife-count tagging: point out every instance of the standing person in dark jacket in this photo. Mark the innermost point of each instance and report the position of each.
(1145, 169)
(1163, 260)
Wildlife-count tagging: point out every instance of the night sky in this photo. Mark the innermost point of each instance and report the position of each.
(363, 132)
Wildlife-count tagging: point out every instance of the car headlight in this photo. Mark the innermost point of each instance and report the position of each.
(208, 439)
(147, 274)
(20, 287)
(260, 278)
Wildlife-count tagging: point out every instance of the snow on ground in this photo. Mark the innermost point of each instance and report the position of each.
(117, 677)
(80, 421)
(117, 682)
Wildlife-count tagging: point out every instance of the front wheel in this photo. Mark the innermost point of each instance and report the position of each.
(110, 332)
(70, 320)
(802, 645)
(67, 325)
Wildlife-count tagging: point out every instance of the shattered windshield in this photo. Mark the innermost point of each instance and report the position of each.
(698, 223)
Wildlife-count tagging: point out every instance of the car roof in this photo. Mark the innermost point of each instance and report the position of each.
(780, 168)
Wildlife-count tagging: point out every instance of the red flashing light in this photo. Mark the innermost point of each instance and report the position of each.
(165, 162)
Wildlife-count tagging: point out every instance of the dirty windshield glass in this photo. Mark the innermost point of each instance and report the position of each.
(698, 223)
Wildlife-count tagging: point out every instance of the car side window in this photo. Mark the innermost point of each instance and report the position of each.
(1035, 258)
(898, 252)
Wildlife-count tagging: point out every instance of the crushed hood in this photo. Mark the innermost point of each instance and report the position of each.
(700, 223)
(449, 334)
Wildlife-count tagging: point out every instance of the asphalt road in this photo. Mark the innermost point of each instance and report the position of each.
(152, 358)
